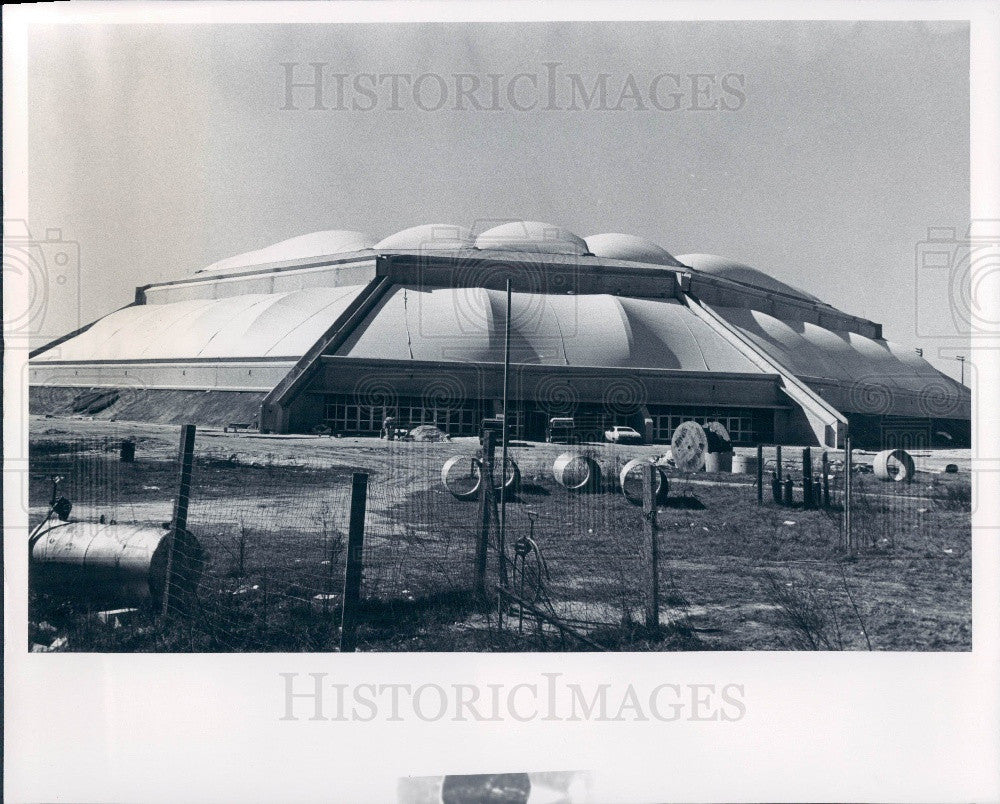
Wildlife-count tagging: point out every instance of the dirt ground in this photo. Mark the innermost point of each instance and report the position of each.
(733, 575)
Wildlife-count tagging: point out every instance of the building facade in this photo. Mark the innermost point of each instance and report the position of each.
(336, 332)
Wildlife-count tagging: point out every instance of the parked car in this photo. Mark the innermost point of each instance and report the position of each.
(622, 434)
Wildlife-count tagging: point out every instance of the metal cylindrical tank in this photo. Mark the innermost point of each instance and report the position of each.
(744, 464)
(630, 480)
(576, 472)
(119, 563)
(894, 464)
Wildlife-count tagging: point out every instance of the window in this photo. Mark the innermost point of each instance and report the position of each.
(745, 427)
(344, 415)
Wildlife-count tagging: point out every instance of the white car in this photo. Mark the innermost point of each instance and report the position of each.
(618, 434)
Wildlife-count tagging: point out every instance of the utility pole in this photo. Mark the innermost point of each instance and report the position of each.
(503, 444)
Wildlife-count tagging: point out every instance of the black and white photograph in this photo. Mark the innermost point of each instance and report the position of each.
(525, 342)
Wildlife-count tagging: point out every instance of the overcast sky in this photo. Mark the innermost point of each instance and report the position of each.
(160, 149)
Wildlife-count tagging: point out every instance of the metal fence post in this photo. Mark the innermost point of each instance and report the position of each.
(178, 524)
(826, 480)
(354, 564)
(848, 460)
(777, 460)
(485, 507)
(760, 474)
(651, 551)
(807, 478)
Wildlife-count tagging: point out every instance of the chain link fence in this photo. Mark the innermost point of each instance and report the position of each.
(261, 563)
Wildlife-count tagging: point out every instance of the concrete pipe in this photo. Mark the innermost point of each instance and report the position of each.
(512, 477)
(576, 472)
(894, 464)
(718, 462)
(630, 480)
(462, 476)
(119, 564)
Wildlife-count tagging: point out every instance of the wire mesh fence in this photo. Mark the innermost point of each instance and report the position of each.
(260, 564)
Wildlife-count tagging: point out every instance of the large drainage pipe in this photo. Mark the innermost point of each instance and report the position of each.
(894, 464)
(630, 480)
(124, 564)
(577, 472)
(462, 476)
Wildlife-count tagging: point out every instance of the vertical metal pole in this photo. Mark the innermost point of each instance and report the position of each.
(777, 460)
(807, 478)
(847, 493)
(826, 480)
(652, 550)
(760, 474)
(485, 509)
(354, 564)
(504, 439)
(185, 456)
(520, 607)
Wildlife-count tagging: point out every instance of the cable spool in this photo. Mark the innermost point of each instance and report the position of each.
(718, 437)
(719, 457)
(630, 480)
(688, 447)
(894, 464)
(576, 472)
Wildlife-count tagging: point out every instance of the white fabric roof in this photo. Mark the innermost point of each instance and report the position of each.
(252, 325)
(314, 244)
(617, 246)
(531, 236)
(809, 350)
(467, 325)
(429, 237)
(737, 272)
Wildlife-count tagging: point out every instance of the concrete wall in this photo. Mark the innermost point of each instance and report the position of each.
(234, 375)
(534, 382)
(531, 273)
(940, 399)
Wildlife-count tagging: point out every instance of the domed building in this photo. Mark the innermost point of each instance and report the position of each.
(337, 330)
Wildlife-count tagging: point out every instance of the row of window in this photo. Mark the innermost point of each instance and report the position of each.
(344, 415)
(350, 417)
(740, 426)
